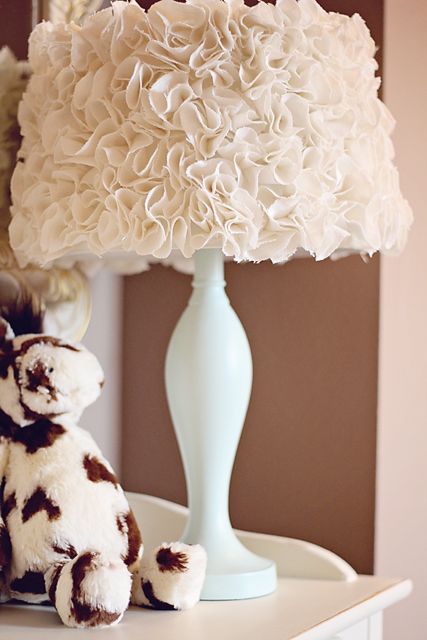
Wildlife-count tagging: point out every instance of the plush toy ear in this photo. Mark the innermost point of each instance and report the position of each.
(23, 315)
(6, 333)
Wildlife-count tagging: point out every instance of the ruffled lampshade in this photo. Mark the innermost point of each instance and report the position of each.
(255, 130)
(209, 128)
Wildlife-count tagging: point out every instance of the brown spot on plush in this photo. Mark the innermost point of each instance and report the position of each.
(97, 472)
(79, 570)
(5, 547)
(31, 582)
(8, 505)
(29, 414)
(170, 561)
(92, 616)
(38, 376)
(121, 523)
(39, 501)
(147, 588)
(127, 525)
(54, 583)
(78, 573)
(83, 612)
(68, 550)
(7, 426)
(40, 435)
(134, 540)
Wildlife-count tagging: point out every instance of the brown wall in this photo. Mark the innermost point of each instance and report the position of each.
(15, 25)
(306, 462)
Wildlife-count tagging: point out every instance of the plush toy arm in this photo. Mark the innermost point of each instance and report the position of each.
(5, 547)
(171, 577)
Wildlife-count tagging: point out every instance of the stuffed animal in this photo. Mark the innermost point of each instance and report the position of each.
(67, 534)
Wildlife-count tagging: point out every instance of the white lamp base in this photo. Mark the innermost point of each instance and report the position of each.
(208, 384)
(247, 576)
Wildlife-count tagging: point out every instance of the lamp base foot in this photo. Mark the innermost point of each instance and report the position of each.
(253, 582)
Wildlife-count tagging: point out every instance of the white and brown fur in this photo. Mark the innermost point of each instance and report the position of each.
(67, 534)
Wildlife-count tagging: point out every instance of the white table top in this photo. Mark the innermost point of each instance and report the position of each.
(298, 610)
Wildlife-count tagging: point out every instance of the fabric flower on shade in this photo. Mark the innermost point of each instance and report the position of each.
(257, 130)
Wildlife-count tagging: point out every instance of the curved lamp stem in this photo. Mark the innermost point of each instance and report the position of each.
(208, 384)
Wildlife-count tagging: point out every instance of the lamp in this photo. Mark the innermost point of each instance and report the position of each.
(207, 129)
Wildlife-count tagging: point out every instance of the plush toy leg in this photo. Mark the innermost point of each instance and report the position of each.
(89, 591)
(171, 577)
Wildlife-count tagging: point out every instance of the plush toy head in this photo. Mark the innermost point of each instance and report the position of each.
(43, 377)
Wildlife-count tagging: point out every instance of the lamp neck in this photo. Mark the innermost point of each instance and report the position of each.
(208, 282)
(209, 269)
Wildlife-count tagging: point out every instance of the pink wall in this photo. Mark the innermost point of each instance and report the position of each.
(401, 519)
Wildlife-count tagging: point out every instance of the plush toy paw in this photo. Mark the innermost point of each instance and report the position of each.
(171, 577)
(89, 591)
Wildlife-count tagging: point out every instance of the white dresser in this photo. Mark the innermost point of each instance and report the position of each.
(298, 610)
(319, 597)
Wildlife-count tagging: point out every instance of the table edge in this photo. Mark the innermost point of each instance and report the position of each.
(379, 601)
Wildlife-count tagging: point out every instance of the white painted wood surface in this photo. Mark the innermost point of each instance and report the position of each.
(298, 610)
(341, 606)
